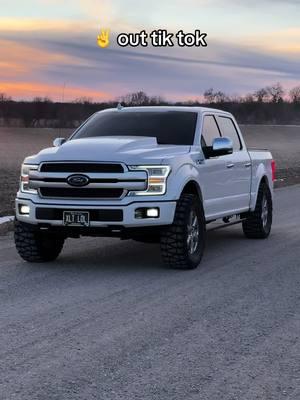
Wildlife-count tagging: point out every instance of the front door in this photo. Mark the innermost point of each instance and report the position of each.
(216, 175)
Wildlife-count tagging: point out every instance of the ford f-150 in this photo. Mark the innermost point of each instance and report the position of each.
(145, 173)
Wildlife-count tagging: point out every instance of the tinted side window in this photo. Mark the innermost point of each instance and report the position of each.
(228, 129)
(210, 130)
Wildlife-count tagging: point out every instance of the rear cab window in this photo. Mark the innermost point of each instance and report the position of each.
(228, 129)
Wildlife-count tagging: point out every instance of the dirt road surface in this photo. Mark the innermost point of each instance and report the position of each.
(108, 321)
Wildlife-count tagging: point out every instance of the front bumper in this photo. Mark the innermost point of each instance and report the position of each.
(166, 213)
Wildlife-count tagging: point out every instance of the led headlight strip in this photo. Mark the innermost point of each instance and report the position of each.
(24, 181)
(157, 179)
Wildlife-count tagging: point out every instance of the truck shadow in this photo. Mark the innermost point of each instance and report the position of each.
(102, 254)
(111, 254)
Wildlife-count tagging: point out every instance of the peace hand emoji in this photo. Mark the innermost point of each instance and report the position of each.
(103, 38)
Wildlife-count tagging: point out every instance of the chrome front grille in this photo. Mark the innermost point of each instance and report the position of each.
(81, 167)
(104, 180)
(53, 192)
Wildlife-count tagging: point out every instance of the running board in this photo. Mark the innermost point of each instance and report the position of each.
(214, 228)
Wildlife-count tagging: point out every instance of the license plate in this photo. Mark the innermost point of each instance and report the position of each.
(76, 218)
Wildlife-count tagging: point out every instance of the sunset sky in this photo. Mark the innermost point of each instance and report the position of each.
(49, 47)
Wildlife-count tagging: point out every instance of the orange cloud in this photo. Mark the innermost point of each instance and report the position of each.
(285, 41)
(19, 53)
(40, 25)
(19, 60)
(28, 90)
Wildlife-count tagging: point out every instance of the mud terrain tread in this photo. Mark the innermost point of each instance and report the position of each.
(35, 246)
(252, 226)
(173, 244)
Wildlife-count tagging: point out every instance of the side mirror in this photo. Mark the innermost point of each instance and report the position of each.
(222, 146)
(58, 141)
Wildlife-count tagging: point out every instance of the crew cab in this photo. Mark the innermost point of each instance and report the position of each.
(145, 173)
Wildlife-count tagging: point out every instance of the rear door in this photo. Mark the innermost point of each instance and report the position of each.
(239, 163)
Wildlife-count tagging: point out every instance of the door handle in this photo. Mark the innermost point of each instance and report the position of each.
(247, 165)
(229, 165)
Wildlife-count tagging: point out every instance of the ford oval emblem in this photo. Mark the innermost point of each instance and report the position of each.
(78, 180)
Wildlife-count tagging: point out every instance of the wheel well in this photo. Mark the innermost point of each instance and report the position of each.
(192, 188)
(265, 180)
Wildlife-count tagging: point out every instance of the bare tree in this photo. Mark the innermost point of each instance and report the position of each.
(215, 97)
(135, 99)
(42, 100)
(156, 100)
(261, 95)
(41, 107)
(83, 100)
(221, 97)
(235, 98)
(209, 96)
(295, 95)
(259, 107)
(248, 98)
(4, 107)
(4, 98)
(276, 93)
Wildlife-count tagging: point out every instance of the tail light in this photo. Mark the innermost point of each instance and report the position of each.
(273, 166)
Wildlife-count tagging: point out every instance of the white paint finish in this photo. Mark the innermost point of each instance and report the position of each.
(225, 191)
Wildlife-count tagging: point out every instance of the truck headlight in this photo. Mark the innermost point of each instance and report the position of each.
(24, 180)
(157, 179)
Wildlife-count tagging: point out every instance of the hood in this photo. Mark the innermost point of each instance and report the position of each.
(127, 149)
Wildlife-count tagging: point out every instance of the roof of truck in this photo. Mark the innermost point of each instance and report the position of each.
(167, 108)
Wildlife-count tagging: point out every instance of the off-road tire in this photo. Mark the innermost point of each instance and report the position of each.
(35, 246)
(254, 226)
(173, 241)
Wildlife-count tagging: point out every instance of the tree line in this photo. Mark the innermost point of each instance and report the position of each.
(270, 105)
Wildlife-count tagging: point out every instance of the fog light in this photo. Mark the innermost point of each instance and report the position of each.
(24, 209)
(152, 212)
(143, 212)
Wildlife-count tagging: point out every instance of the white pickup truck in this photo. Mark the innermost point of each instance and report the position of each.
(145, 173)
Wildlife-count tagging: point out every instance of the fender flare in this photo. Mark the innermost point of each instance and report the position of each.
(187, 175)
(260, 176)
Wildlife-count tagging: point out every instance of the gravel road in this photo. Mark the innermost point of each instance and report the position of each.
(107, 321)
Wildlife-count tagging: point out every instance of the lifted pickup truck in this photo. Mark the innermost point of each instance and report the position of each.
(145, 173)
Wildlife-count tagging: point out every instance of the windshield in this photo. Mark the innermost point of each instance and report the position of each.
(169, 127)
